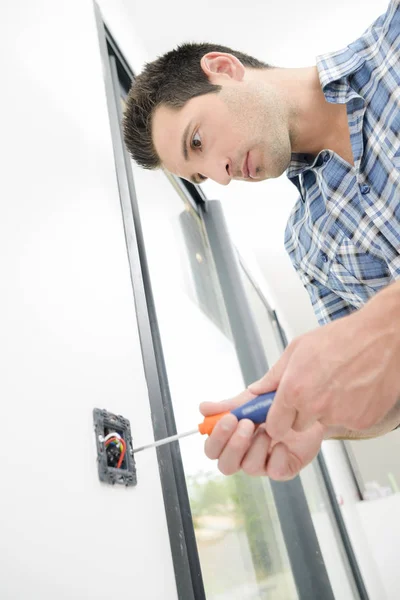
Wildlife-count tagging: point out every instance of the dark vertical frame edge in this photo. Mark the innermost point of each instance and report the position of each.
(344, 535)
(180, 525)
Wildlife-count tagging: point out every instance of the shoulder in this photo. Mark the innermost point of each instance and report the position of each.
(384, 31)
(379, 42)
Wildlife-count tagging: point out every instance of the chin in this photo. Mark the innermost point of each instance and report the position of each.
(280, 169)
(261, 177)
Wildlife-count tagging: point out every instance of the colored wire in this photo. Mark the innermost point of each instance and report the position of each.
(121, 458)
(110, 435)
(114, 442)
(121, 446)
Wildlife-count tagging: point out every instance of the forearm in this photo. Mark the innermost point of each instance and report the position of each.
(390, 422)
(382, 312)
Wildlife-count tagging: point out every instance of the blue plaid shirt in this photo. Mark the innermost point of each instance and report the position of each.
(343, 235)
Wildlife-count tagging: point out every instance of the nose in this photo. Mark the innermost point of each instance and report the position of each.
(219, 171)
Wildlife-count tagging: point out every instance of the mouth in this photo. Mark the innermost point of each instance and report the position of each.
(248, 170)
(245, 167)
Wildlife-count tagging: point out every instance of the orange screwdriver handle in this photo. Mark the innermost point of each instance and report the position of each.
(209, 423)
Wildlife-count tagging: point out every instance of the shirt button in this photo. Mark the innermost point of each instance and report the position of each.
(324, 257)
(365, 189)
(326, 158)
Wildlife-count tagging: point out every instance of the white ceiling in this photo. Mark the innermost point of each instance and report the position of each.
(287, 33)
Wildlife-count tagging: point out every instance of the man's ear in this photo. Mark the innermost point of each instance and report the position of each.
(219, 65)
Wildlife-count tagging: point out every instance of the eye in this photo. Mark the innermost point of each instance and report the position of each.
(196, 141)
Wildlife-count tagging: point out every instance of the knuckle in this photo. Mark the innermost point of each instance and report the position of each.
(286, 477)
(210, 454)
(251, 468)
(238, 444)
(271, 372)
(294, 343)
(226, 469)
(210, 450)
(299, 427)
(296, 390)
(285, 473)
(319, 405)
(272, 429)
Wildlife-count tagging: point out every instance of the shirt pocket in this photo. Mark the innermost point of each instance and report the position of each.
(357, 274)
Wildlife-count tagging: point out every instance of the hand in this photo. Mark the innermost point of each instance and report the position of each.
(238, 445)
(343, 374)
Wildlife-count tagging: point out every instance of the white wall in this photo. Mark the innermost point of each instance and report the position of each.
(69, 339)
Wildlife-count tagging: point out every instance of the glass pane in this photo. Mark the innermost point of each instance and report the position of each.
(263, 317)
(314, 488)
(328, 534)
(377, 465)
(239, 538)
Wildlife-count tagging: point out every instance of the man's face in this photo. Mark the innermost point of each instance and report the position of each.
(237, 133)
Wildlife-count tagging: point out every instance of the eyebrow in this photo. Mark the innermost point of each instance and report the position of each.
(184, 141)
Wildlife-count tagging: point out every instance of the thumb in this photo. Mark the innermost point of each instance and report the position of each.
(270, 381)
(212, 408)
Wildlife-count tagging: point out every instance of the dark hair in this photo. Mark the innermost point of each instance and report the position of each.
(171, 80)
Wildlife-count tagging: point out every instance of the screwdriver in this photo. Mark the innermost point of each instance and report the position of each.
(256, 410)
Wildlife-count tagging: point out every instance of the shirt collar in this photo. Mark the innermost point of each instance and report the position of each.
(333, 70)
(299, 163)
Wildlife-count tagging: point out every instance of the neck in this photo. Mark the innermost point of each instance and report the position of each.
(314, 124)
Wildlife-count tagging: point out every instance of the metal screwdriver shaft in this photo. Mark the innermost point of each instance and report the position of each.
(256, 410)
(167, 440)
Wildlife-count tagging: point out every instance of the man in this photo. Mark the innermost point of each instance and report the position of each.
(207, 111)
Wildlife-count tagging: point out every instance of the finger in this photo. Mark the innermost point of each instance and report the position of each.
(282, 413)
(254, 462)
(232, 455)
(213, 408)
(282, 465)
(220, 436)
(272, 378)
